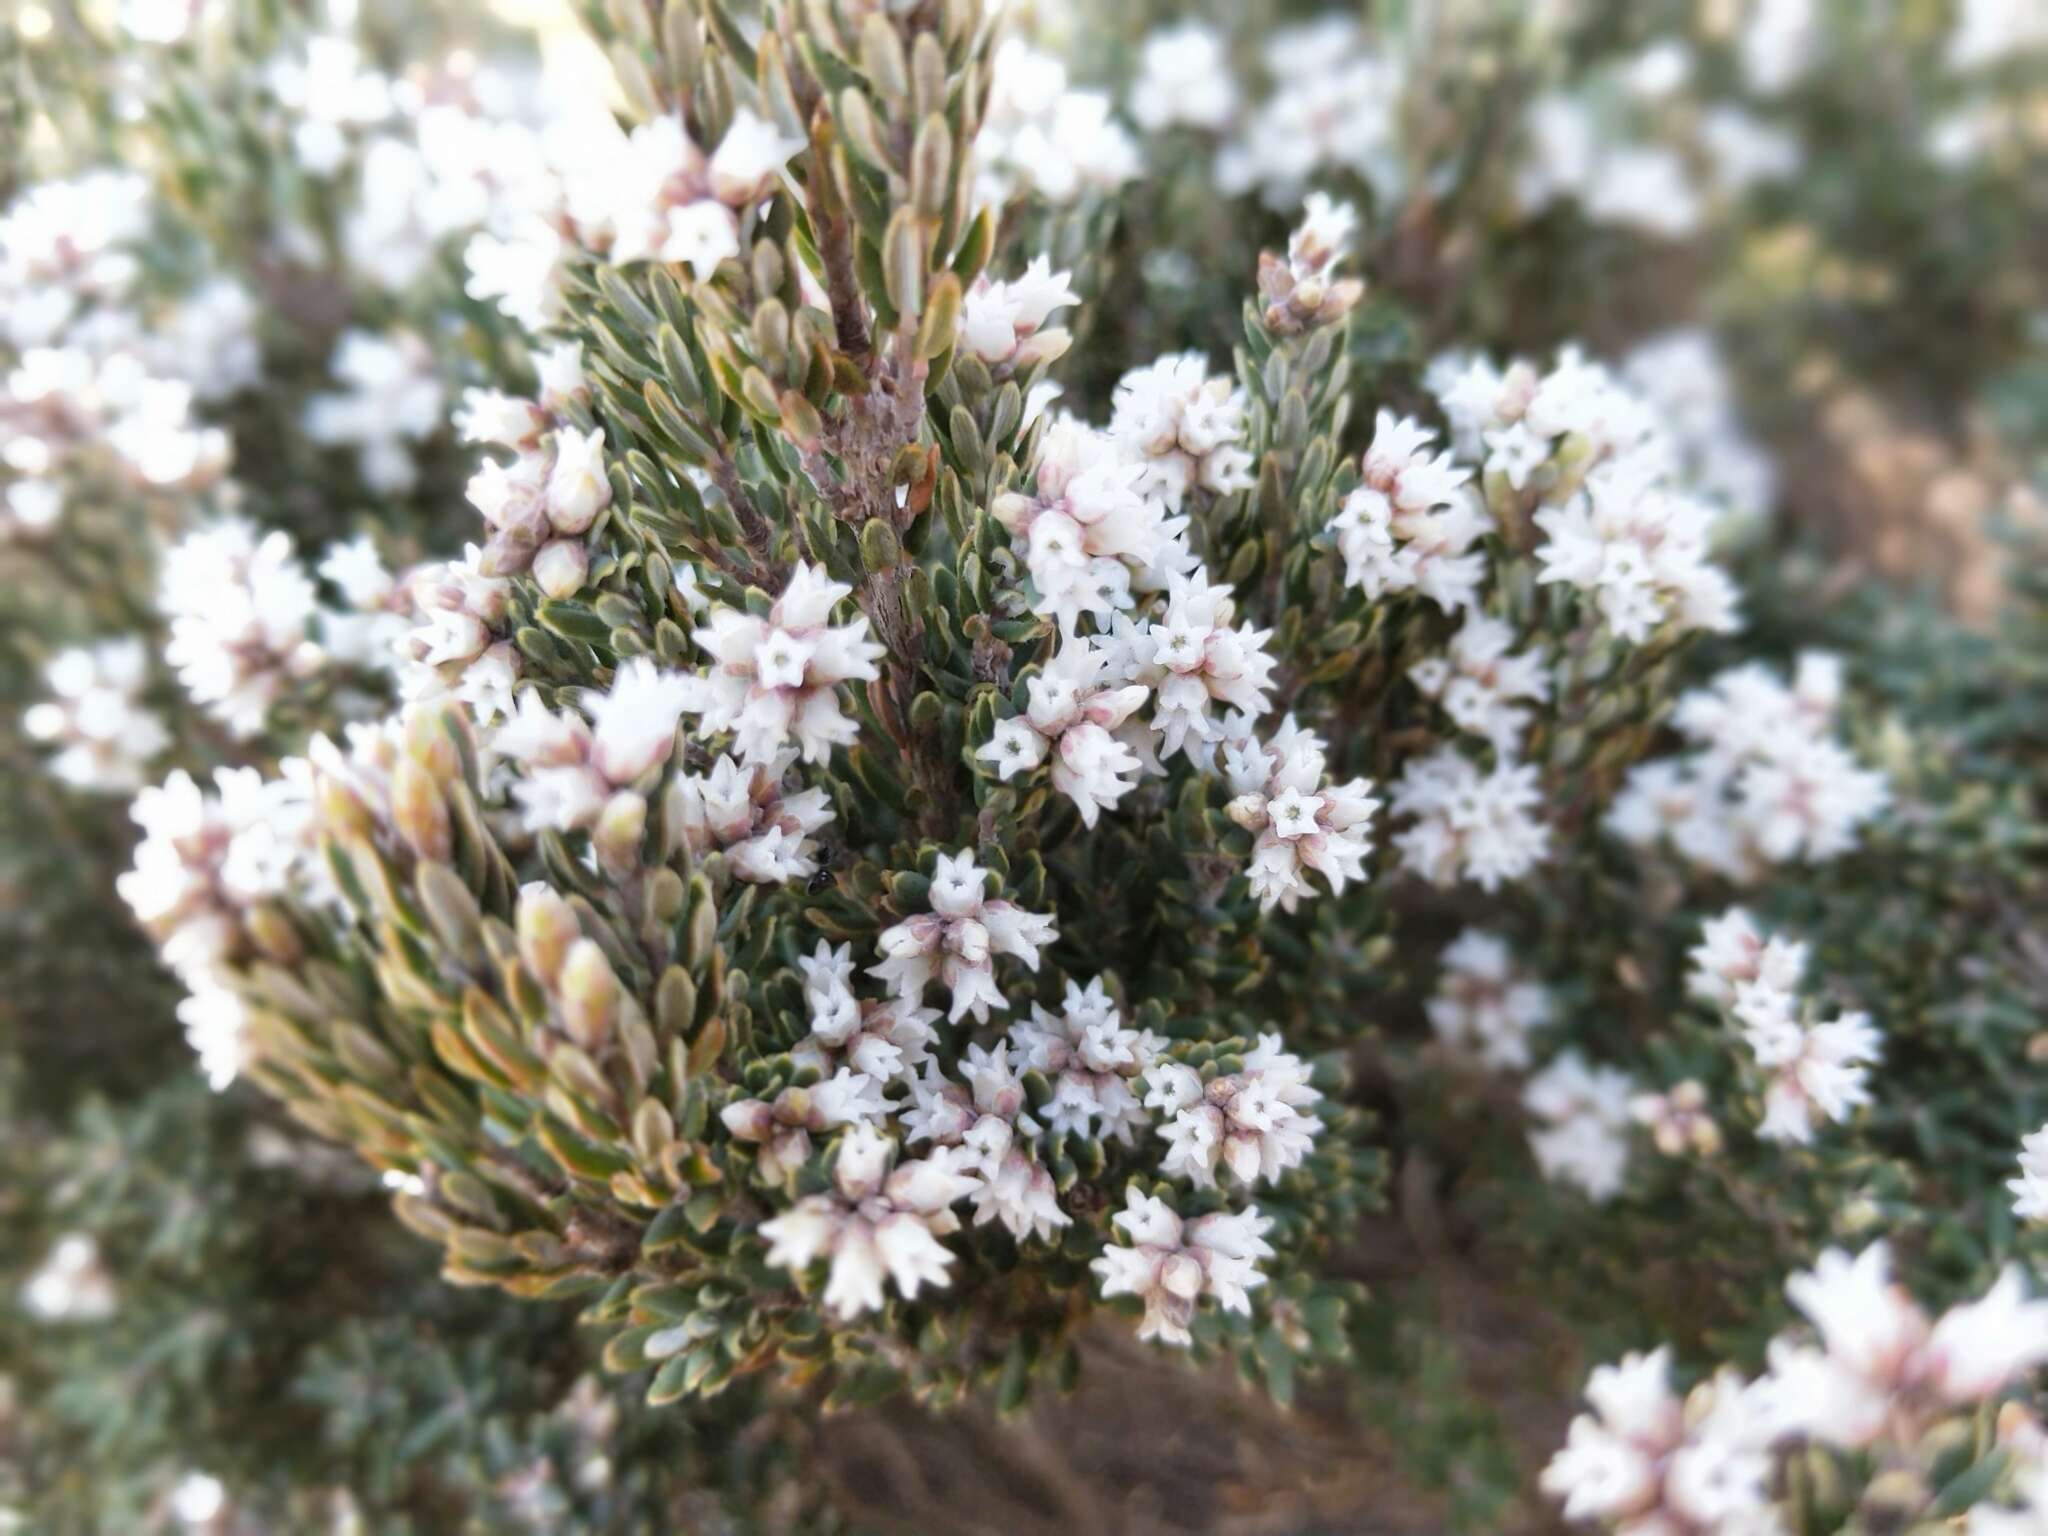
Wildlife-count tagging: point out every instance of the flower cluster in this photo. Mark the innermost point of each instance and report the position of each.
(1333, 105)
(1484, 684)
(1043, 137)
(880, 1223)
(1765, 782)
(956, 942)
(539, 506)
(1881, 1377)
(775, 679)
(1254, 1122)
(582, 776)
(1077, 715)
(1412, 524)
(1584, 1112)
(103, 735)
(1298, 819)
(1090, 533)
(1482, 825)
(1814, 1070)
(1485, 1006)
(1594, 460)
(1170, 1264)
(241, 608)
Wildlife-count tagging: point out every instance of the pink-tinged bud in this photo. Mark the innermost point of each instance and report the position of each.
(560, 567)
(749, 1120)
(546, 926)
(1248, 811)
(589, 995)
(1181, 1275)
(1010, 509)
(577, 487)
(1044, 347)
(508, 494)
(419, 810)
(510, 550)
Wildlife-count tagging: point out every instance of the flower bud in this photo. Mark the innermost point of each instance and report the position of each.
(577, 487)
(560, 567)
(589, 995)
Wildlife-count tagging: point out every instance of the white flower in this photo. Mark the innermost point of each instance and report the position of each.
(780, 1129)
(1092, 1059)
(217, 1028)
(1300, 821)
(1334, 104)
(1255, 1122)
(1411, 525)
(1639, 549)
(1088, 531)
(1183, 77)
(455, 647)
(775, 680)
(561, 373)
(1978, 1347)
(1879, 1351)
(240, 608)
(1988, 32)
(1652, 1464)
(1764, 783)
(957, 941)
(72, 1284)
(1074, 712)
(204, 858)
(879, 1225)
(1585, 1113)
(1814, 1072)
(1003, 323)
(519, 270)
(987, 1119)
(1481, 682)
(1469, 825)
(765, 831)
(634, 721)
(1037, 135)
(1188, 428)
(570, 771)
(390, 397)
(633, 185)
(1171, 1265)
(749, 158)
(1734, 953)
(1193, 659)
(1484, 1004)
(702, 234)
(104, 737)
(2031, 1187)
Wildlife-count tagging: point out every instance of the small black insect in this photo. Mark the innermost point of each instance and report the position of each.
(821, 880)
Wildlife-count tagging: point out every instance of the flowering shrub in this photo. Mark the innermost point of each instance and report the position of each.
(716, 718)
